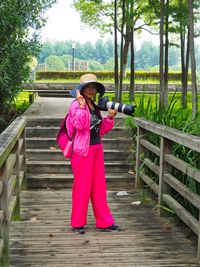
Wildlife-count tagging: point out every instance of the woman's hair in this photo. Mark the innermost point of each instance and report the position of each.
(96, 108)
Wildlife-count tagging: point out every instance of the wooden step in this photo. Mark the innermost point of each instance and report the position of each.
(56, 154)
(123, 144)
(65, 167)
(55, 122)
(61, 180)
(53, 131)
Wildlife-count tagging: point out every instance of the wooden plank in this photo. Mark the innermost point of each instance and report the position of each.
(1, 216)
(21, 161)
(1, 187)
(10, 136)
(11, 185)
(153, 185)
(9, 166)
(1, 247)
(183, 166)
(182, 189)
(19, 145)
(185, 139)
(12, 205)
(165, 147)
(138, 181)
(182, 213)
(152, 166)
(21, 177)
(144, 240)
(150, 146)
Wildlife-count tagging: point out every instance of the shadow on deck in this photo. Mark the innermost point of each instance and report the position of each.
(43, 237)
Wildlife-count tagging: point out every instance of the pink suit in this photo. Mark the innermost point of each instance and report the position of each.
(87, 163)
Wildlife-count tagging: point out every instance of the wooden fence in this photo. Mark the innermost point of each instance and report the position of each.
(12, 173)
(167, 162)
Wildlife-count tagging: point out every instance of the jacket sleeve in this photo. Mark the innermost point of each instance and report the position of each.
(79, 116)
(106, 125)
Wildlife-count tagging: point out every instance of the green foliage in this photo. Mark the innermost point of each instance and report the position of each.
(146, 57)
(100, 51)
(54, 63)
(18, 46)
(95, 65)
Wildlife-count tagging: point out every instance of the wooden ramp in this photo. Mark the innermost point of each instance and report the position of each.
(43, 237)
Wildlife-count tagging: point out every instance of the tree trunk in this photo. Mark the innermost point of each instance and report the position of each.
(121, 56)
(161, 102)
(116, 54)
(193, 61)
(127, 40)
(183, 74)
(132, 74)
(166, 55)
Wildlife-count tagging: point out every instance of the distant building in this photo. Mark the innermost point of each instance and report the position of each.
(41, 67)
(78, 65)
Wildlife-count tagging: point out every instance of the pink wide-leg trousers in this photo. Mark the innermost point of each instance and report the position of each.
(90, 183)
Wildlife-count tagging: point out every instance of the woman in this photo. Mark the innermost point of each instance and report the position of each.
(85, 123)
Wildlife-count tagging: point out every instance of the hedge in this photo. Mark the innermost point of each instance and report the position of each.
(103, 75)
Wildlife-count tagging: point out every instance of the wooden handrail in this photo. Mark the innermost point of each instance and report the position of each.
(165, 180)
(12, 173)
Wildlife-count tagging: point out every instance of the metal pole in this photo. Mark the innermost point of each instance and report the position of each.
(73, 56)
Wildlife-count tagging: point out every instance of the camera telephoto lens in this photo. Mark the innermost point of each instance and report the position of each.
(104, 104)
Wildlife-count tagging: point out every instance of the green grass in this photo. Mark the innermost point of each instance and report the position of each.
(21, 101)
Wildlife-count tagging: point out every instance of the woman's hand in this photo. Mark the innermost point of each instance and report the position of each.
(112, 113)
(80, 99)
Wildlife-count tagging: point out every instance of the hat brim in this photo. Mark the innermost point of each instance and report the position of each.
(80, 87)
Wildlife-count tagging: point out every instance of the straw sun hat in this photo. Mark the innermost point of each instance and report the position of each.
(85, 80)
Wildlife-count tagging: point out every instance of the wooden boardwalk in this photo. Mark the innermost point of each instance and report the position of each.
(43, 237)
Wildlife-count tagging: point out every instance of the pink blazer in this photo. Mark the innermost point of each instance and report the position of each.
(79, 119)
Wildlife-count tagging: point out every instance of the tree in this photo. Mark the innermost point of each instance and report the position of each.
(102, 15)
(116, 65)
(162, 92)
(95, 65)
(55, 63)
(193, 61)
(122, 52)
(147, 55)
(180, 26)
(109, 65)
(18, 44)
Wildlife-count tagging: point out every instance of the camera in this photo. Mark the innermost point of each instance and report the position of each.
(104, 104)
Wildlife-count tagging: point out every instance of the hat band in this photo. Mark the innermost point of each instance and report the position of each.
(91, 81)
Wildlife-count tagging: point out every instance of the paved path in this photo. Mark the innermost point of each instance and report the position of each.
(48, 107)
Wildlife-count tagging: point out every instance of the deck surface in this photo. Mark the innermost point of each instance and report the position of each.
(43, 237)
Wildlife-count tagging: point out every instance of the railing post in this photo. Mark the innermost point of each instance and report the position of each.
(23, 167)
(138, 181)
(5, 208)
(17, 173)
(165, 147)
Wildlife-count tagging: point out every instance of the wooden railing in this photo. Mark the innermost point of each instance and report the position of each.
(12, 173)
(167, 181)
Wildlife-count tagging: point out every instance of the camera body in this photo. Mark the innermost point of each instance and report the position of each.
(104, 104)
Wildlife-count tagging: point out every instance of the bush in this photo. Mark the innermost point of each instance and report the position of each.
(104, 75)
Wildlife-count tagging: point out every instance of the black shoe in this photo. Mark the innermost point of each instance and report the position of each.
(79, 230)
(112, 228)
